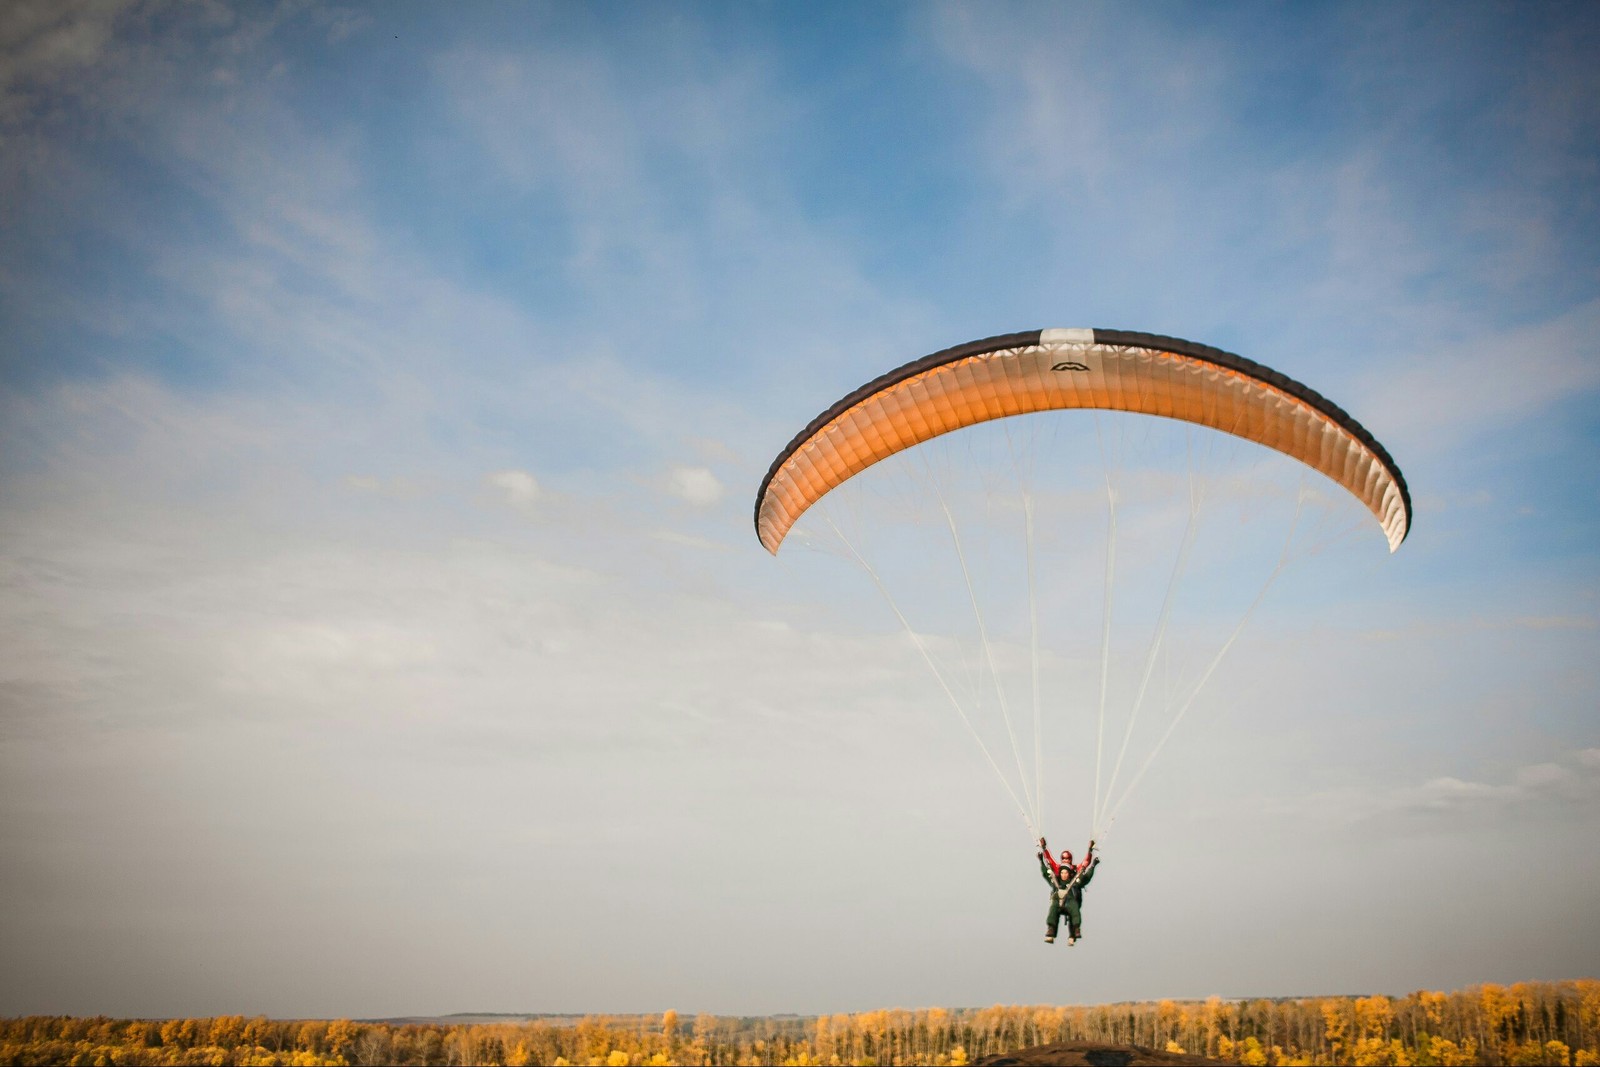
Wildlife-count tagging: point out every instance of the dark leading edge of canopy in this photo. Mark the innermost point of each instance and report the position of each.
(1123, 338)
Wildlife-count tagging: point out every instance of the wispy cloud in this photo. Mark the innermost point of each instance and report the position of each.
(1472, 386)
(1070, 119)
(43, 46)
(1568, 787)
(694, 485)
(518, 488)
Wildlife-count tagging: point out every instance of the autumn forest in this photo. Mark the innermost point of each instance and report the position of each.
(1526, 1023)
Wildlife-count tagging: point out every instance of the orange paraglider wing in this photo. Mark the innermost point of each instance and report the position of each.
(1113, 370)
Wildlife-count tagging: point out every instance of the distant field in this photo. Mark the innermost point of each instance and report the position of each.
(1526, 1023)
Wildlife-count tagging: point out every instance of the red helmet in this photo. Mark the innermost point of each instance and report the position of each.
(1066, 857)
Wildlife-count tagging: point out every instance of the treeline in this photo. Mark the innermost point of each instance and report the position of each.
(1527, 1023)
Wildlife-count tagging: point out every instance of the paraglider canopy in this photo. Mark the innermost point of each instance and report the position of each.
(1114, 370)
(1023, 592)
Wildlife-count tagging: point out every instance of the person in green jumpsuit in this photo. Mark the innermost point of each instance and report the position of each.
(1067, 883)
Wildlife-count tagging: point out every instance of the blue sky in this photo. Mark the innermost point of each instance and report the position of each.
(383, 391)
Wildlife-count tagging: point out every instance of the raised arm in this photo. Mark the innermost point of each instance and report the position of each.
(1047, 863)
(1090, 862)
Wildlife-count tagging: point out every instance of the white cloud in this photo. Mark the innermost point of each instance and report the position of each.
(518, 489)
(694, 485)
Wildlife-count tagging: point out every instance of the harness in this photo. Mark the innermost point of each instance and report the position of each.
(1064, 892)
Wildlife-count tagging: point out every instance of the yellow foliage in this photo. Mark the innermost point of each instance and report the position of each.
(1538, 1024)
(1372, 1016)
(1498, 1006)
(1532, 1054)
(1376, 1052)
(1589, 1003)
(1448, 1054)
(1335, 1024)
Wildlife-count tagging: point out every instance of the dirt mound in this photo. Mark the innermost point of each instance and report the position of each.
(1079, 1055)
